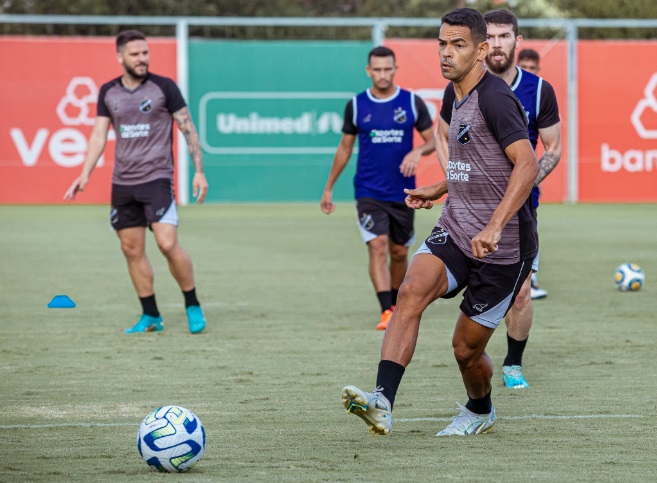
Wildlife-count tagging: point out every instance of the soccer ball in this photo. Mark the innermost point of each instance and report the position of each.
(629, 277)
(171, 439)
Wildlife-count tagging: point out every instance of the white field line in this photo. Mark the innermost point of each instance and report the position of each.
(400, 420)
(533, 416)
(66, 425)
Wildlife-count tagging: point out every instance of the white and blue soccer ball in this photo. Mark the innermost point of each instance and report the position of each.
(629, 277)
(171, 439)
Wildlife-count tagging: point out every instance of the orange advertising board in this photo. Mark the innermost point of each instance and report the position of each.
(617, 121)
(48, 100)
(419, 71)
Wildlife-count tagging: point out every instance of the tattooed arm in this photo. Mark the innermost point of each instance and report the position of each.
(551, 139)
(186, 125)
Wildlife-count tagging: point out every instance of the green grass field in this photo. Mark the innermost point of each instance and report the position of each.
(291, 321)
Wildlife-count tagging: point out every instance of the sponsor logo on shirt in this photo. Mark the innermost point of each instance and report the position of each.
(386, 136)
(128, 131)
(458, 171)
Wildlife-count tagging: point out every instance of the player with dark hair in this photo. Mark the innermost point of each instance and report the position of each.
(540, 104)
(383, 118)
(529, 60)
(141, 106)
(485, 239)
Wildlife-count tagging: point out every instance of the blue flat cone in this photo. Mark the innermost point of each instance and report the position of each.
(61, 302)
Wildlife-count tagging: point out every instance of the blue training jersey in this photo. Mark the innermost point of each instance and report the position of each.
(385, 136)
(528, 88)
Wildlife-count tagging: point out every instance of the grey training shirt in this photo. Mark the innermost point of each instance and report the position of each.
(143, 125)
(481, 126)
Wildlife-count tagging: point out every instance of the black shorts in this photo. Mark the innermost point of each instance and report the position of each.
(491, 288)
(143, 204)
(385, 218)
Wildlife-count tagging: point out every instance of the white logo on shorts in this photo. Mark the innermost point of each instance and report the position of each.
(480, 307)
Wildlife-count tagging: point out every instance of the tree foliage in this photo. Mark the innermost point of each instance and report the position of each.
(320, 8)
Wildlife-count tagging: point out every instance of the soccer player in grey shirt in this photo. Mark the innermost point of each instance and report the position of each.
(141, 107)
(485, 239)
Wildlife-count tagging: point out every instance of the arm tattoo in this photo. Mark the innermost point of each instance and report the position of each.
(546, 164)
(186, 125)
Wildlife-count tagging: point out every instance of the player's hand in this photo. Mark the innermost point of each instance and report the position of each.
(77, 185)
(485, 242)
(423, 196)
(199, 187)
(417, 199)
(326, 204)
(409, 165)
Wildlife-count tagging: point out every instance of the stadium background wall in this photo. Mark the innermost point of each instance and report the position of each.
(269, 114)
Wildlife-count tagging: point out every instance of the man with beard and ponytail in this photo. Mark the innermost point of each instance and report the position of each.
(540, 103)
(140, 106)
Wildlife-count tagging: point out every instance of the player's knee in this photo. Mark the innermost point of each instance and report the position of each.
(413, 295)
(464, 355)
(523, 299)
(399, 254)
(378, 248)
(167, 245)
(131, 249)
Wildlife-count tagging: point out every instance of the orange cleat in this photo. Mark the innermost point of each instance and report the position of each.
(385, 319)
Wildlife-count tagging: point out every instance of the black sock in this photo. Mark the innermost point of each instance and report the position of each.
(190, 298)
(514, 351)
(480, 406)
(393, 294)
(388, 379)
(385, 299)
(148, 306)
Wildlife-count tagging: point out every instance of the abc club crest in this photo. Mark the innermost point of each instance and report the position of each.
(438, 236)
(146, 105)
(463, 135)
(366, 221)
(399, 115)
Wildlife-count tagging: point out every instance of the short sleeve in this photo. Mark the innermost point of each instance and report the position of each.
(423, 121)
(174, 98)
(548, 114)
(448, 103)
(101, 107)
(503, 113)
(348, 127)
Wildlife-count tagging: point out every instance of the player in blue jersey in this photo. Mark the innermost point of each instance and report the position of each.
(383, 118)
(540, 103)
(529, 60)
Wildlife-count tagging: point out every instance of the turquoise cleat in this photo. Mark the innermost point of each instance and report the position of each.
(147, 323)
(195, 319)
(512, 377)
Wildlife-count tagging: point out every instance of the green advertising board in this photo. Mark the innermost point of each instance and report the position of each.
(270, 115)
